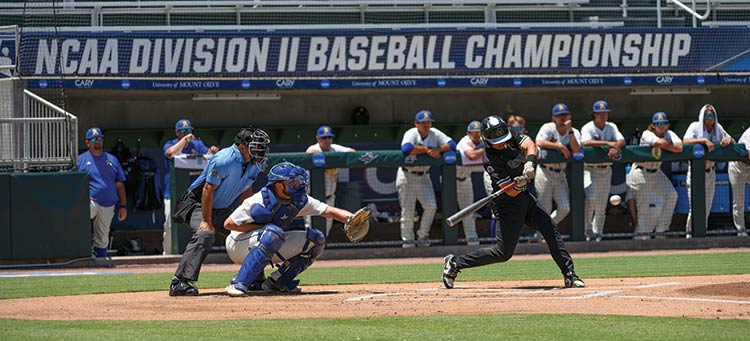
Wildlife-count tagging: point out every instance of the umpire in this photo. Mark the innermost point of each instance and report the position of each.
(510, 159)
(224, 183)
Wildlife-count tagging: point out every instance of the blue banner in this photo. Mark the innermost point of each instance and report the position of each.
(328, 55)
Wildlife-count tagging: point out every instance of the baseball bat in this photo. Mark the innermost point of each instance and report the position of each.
(460, 215)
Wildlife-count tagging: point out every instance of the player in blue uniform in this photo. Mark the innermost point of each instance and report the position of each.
(261, 234)
(106, 188)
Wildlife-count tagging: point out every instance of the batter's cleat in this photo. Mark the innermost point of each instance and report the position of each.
(450, 271)
(236, 290)
(180, 287)
(573, 281)
(270, 286)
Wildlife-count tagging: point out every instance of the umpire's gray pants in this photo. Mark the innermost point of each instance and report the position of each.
(200, 244)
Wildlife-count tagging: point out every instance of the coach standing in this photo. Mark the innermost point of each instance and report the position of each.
(106, 188)
(185, 143)
(224, 183)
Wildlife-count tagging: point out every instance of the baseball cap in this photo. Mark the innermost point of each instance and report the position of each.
(474, 127)
(659, 117)
(423, 116)
(325, 131)
(601, 106)
(560, 109)
(94, 132)
(183, 124)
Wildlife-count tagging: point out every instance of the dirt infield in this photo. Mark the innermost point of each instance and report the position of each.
(695, 296)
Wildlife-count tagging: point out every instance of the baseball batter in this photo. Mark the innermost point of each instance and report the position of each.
(706, 131)
(509, 159)
(413, 183)
(597, 177)
(261, 236)
(646, 179)
(551, 183)
(325, 144)
(471, 149)
(739, 176)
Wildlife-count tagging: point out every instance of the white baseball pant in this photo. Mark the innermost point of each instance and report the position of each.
(646, 184)
(101, 217)
(166, 242)
(465, 196)
(739, 176)
(331, 179)
(597, 181)
(551, 184)
(412, 187)
(238, 246)
(710, 188)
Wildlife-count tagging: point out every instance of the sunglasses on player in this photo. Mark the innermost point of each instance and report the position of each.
(96, 139)
(186, 131)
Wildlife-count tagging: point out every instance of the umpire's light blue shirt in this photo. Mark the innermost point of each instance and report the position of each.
(104, 172)
(193, 147)
(225, 170)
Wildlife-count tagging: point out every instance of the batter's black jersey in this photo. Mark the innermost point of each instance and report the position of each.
(504, 165)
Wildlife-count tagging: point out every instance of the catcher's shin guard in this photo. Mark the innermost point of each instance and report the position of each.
(294, 266)
(271, 240)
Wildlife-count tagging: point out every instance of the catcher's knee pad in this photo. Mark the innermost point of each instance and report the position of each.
(316, 242)
(271, 239)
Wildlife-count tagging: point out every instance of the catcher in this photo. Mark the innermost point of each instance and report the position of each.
(260, 233)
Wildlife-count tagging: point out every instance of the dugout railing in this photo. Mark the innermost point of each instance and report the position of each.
(448, 204)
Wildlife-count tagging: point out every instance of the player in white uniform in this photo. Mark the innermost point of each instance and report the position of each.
(597, 177)
(325, 144)
(739, 175)
(261, 236)
(706, 131)
(413, 183)
(471, 149)
(551, 183)
(646, 179)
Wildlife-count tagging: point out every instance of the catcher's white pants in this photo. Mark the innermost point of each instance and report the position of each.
(551, 185)
(652, 188)
(166, 242)
(710, 187)
(596, 182)
(238, 246)
(412, 187)
(739, 175)
(101, 217)
(465, 196)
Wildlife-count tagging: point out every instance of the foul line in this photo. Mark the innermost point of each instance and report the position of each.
(656, 285)
(60, 274)
(684, 299)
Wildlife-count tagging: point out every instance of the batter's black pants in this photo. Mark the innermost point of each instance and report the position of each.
(511, 215)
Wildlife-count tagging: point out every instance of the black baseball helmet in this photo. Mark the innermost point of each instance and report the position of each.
(495, 130)
(256, 141)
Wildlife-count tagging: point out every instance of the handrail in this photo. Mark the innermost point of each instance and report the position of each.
(691, 11)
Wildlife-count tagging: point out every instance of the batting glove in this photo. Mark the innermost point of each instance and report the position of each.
(520, 181)
(528, 170)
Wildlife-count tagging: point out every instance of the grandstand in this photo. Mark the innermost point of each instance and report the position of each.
(138, 105)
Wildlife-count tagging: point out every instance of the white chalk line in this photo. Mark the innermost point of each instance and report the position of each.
(696, 299)
(656, 285)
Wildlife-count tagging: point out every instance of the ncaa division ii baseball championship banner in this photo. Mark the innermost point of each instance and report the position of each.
(333, 54)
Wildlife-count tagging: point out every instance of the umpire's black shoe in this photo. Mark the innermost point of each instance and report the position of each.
(181, 287)
(450, 271)
(573, 281)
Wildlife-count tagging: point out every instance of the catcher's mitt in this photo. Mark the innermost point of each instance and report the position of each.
(357, 225)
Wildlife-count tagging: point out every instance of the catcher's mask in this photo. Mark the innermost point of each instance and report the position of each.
(256, 141)
(295, 177)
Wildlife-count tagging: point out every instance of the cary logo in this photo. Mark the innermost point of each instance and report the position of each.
(479, 81)
(84, 83)
(664, 79)
(285, 83)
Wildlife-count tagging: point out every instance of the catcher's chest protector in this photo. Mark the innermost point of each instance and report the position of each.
(277, 211)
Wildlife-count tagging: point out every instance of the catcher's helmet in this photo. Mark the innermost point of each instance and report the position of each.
(495, 130)
(256, 141)
(295, 176)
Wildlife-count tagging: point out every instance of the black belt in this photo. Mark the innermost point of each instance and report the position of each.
(416, 173)
(461, 179)
(598, 166)
(648, 169)
(556, 170)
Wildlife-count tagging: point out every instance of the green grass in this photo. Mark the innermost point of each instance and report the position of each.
(462, 327)
(607, 267)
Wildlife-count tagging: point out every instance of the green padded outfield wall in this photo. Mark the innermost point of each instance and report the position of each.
(5, 243)
(49, 215)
